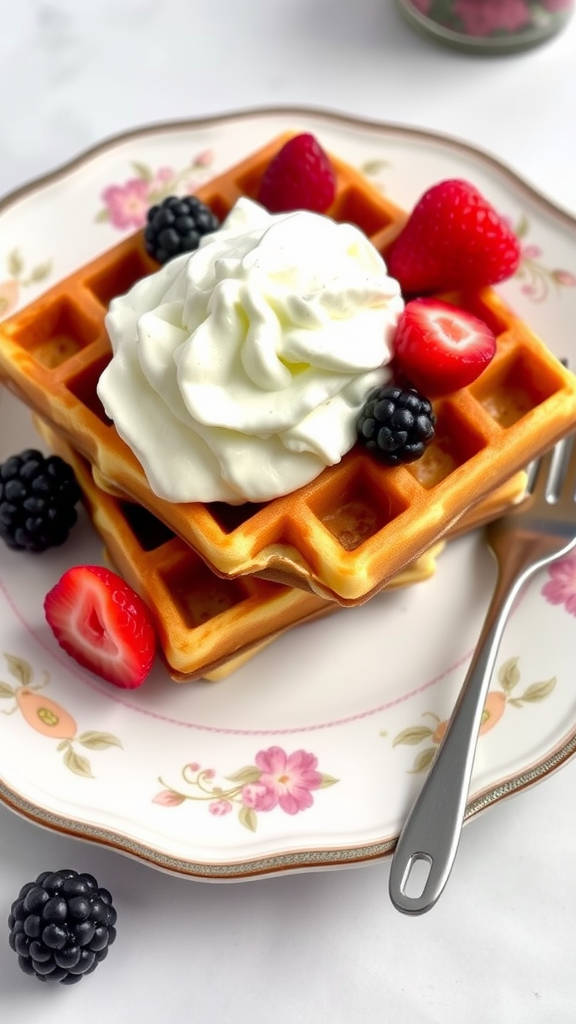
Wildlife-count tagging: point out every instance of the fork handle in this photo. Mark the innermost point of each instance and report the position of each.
(433, 827)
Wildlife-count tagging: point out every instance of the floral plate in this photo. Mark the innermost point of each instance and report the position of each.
(310, 755)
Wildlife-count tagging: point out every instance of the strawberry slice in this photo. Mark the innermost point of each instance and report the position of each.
(440, 348)
(299, 177)
(102, 623)
(454, 238)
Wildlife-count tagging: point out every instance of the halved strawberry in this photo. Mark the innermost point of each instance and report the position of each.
(440, 348)
(102, 623)
(454, 238)
(299, 177)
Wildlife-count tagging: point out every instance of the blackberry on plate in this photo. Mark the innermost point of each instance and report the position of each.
(396, 424)
(61, 926)
(176, 225)
(38, 495)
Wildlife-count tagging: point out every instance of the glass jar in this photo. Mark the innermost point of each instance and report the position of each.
(488, 26)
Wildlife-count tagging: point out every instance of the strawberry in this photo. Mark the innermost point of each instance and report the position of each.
(440, 348)
(454, 238)
(102, 623)
(299, 177)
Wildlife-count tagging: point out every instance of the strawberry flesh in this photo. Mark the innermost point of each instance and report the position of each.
(103, 624)
(440, 348)
(299, 177)
(454, 238)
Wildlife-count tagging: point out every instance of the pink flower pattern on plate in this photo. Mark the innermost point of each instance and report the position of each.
(534, 276)
(561, 585)
(220, 807)
(277, 779)
(286, 780)
(126, 205)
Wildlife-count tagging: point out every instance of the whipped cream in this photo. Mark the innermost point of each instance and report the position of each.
(239, 370)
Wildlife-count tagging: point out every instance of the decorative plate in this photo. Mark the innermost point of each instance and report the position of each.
(311, 754)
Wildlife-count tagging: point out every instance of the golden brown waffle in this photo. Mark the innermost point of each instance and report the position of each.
(350, 531)
(207, 626)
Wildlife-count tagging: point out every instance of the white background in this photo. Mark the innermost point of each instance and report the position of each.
(323, 947)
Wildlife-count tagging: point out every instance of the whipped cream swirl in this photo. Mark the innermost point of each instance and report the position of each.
(238, 371)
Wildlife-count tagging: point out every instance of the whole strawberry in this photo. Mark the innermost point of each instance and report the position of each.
(454, 238)
(299, 177)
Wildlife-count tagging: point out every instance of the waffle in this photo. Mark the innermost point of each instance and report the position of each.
(208, 626)
(355, 527)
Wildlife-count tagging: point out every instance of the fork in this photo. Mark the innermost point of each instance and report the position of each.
(523, 542)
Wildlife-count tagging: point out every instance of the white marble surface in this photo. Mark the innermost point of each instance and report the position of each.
(324, 947)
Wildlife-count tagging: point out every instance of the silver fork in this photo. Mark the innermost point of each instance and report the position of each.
(543, 530)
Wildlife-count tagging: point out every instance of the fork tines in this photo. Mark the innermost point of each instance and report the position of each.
(549, 473)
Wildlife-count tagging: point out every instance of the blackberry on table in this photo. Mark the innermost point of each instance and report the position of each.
(396, 424)
(61, 926)
(38, 498)
(176, 225)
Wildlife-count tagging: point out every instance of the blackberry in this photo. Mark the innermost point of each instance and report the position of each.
(38, 495)
(61, 926)
(176, 225)
(396, 424)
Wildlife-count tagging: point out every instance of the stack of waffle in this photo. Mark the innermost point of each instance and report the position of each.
(223, 580)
